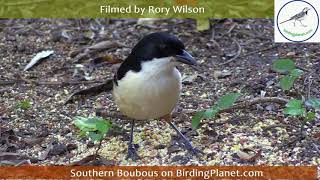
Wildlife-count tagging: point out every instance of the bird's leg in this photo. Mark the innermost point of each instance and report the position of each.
(302, 24)
(186, 142)
(132, 153)
(294, 23)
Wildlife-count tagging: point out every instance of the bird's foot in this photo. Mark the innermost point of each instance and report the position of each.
(192, 150)
(132, 153)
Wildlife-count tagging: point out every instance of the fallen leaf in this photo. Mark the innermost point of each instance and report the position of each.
(249, 155)
(291, 53)
(94, 160)
(15, 159)
(104, 45)
(221, 74)
(108, 59)
(188, 79)
(147, 21)
(39, 56)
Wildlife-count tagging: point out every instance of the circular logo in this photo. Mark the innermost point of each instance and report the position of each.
(297, 21)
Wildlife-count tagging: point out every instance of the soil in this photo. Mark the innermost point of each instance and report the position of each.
(37, 127)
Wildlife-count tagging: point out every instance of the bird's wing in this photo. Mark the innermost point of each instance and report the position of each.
(92, 91)
(297, 16)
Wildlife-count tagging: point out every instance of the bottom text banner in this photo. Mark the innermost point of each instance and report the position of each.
(159, 172)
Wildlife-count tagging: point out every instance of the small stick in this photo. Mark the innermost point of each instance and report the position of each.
(236, 56)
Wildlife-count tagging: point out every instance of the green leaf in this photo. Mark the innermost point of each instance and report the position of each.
(311, 116)
(286, 82)
(92, 124)
(294, 103)
(209, 113)
(25, 104)
(103, 126)
(283, 65)
(313, 102)
(87, 124)
(296, 73)
(96, 136)
(196, 119)
(227, 100)
(82, 133)
(294, 111)
(294, 108)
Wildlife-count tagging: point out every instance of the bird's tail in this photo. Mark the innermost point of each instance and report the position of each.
(286, 21)
(92, 91)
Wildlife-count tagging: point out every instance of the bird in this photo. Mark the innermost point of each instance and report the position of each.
(298, 17)
(148, 85)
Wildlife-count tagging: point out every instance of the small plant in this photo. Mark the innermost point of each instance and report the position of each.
(224, 102)
(25, 105)
(295, 107)
(286, 66)
(298, 109)
(94, 128)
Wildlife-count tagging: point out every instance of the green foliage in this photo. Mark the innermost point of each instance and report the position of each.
(294, 108)
(196, 119)
(283, 65)
(314, 103)
(224, 102)
(286, 82)
(25, 104)
(296, 73)
(93, 127)
(311, 116)
(286, 66)
(227, 100)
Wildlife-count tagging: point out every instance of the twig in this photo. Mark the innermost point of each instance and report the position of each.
(230, 29)
(310, 81)
(316, 147)
(302, 68)
(254, 101)
(28, 162)
(49, 83)
(249, 53)
(91, 91)
(213, 34)
(248, 103)
(236, 56)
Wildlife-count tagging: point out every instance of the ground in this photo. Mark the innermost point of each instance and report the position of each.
(37, 127)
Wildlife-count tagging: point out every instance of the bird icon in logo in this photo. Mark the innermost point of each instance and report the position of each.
(299, 17)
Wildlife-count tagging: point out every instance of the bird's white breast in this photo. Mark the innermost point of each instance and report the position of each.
(150, 93)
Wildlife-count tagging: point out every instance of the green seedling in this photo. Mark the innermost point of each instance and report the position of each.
(224, 102)
(93, 127)
(286, 66)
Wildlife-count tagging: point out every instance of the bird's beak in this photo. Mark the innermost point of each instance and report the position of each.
(186, 58)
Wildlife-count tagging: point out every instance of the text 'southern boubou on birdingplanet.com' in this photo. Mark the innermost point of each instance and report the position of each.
(161, 89)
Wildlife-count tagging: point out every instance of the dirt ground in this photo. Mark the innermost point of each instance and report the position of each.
(44, 133)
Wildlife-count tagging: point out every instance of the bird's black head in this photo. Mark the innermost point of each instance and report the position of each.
(152, 47)
(161, 45)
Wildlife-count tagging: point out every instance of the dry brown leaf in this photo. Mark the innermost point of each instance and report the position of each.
(104, 45)
(249, 155)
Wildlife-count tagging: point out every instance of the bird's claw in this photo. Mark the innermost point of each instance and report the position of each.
(193, 150)
(132, 153)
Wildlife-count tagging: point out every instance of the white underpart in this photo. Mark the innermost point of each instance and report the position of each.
(150, 93)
